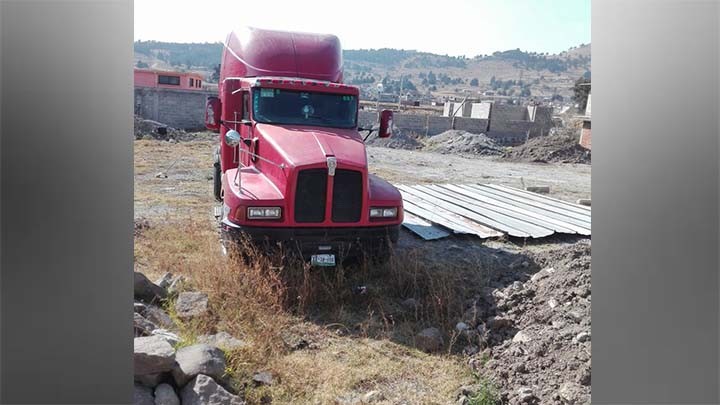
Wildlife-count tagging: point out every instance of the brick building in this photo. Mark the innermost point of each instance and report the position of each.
(168, 79)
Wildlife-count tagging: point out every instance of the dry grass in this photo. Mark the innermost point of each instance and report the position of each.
(355, 342)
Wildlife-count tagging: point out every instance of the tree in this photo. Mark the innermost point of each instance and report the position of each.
(215, 77)
(141, 65)
(431, 78)
(474, 82)
(580, 93)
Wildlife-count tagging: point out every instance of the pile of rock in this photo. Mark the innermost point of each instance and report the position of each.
(463, 143)
(149, 129)
(400, 139)
(165, 374)
(557, 148)
(535, 335)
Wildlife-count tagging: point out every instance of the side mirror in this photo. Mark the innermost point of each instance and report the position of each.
(212, 114)
(232, 138)
(386, 123)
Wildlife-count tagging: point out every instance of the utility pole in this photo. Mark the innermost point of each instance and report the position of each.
(400, 94)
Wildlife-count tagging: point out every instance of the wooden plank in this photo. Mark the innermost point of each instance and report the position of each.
(582, 219)
(423, 228)
(450, 220)
(519, 212)
(483, 216)
(580, 226)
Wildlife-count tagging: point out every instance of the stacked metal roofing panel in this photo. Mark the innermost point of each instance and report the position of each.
(488, 210)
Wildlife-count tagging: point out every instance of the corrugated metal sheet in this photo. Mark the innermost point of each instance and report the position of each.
(489, 210)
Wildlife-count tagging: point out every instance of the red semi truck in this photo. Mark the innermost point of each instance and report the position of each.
(291, 166)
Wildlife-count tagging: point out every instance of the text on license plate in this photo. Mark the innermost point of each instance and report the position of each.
(322, 260)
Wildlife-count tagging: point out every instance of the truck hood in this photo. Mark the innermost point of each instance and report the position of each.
(305, 145)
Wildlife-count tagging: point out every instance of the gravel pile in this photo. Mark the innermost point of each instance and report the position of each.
(398, 140)
(558, 148)
(462, 142)
(537, 332)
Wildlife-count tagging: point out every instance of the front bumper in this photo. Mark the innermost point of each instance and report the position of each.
(346, 241)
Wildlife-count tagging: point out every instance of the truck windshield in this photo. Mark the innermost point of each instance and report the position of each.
(278, 106)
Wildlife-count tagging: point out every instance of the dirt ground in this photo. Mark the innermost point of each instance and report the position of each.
(361, 347)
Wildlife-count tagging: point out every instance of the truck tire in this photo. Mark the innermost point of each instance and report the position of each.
(217, 176)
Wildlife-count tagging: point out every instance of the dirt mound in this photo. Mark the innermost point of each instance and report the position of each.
(398, 140)
(157, 130)
(462, 142)
(561, 147)
(538, 339)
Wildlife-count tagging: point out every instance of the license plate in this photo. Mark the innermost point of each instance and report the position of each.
(322, 260)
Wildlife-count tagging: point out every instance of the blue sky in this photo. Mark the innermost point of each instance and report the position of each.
(459, 27)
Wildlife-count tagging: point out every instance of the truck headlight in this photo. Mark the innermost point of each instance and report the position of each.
(263, 212)
(383, 212)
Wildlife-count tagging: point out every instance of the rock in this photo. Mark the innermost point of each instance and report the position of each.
(152, 355)
(582, 337)
(570, 393)
(150, 380)
(191, 304)
(165, 395)
(175, 285)
(500, 322)
(145, 290)
(159, 317)
(203, 390)
(470, 350)
(198, 359)
(263, 378)
(521, 337)
(525, 395)
(575, 316)
(169, 337)
(164, 281)
(584, 376)
(409, 304)
(516, 285)
(143, 395)
(222, 340)
(538, 189)
(139, 307)
(552, 302)
(372, 396)
(142, 326)
(584, 201)
(429, 340)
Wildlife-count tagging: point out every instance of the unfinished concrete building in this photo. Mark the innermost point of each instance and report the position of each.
(508, 124)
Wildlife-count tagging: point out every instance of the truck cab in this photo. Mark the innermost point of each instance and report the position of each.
(291, 166)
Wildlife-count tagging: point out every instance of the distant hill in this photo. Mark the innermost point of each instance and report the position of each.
(512, 72)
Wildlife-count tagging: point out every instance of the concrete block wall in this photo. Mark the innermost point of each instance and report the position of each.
(474, 125)
(505, 112)
(520, 126)
(183, 109)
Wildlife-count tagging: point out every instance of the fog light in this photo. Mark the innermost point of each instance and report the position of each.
(383, 212)
(263, 212)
